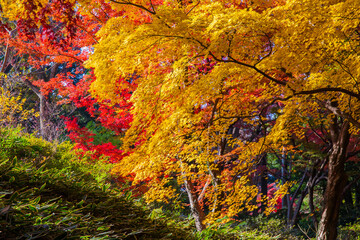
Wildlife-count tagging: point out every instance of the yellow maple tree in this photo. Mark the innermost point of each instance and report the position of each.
(204, 65)
(295, 52)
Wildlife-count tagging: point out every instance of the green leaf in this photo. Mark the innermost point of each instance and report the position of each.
(42, 187)
(12, 179)
(32, 208)
(47, 217)
(4, 162)
(105, 187)
(103, 228)
(14, 196)
(37, 200)
(80, 203)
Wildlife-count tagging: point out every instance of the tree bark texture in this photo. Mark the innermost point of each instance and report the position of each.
(336, 181)
(195, 208)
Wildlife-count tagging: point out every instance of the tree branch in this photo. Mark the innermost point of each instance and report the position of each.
(328, 89)
(338, 112)
(6, 58)
(135, 5)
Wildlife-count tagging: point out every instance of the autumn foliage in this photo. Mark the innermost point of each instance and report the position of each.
(210, 98)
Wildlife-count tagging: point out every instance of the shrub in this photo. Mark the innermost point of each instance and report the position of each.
(58, 196)
(350, 232)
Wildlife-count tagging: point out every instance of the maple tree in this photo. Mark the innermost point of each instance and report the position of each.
(317, 59)
(197, 75)
(26, 62)
(187, 138)
(55, 40)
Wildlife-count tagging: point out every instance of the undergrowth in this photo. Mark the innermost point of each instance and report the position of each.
(46, 192)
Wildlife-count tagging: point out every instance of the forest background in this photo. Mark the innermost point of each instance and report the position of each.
(221, 110)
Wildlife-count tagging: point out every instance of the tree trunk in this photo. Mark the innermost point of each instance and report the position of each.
(263, 182)
(6, 59)
(291, 220)
(195, 208)
(294, 217)
(43, 109)
(44, 103)
(336, 181)
(311, 204)
(216, 179)
(284, 177)
(43, 117)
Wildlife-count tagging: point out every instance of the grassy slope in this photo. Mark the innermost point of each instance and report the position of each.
(44, 195)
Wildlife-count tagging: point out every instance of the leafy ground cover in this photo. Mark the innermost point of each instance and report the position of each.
(46, 194)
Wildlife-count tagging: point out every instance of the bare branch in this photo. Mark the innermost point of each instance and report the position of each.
(6, 58)
(328, 89)
(135, 5)
(193, 7)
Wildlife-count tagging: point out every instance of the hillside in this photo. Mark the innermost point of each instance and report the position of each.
(46, 193)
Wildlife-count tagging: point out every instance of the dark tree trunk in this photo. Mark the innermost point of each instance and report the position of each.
(291, 219)
(285, 177)
(311, 205)
(311, 184)
(336, 181)
(263, 182)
